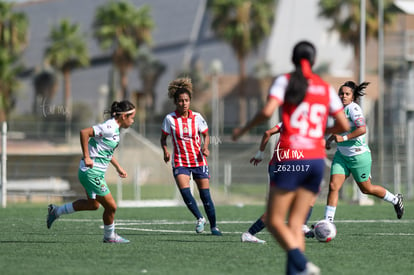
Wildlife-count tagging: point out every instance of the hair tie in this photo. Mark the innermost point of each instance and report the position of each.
(306, 68)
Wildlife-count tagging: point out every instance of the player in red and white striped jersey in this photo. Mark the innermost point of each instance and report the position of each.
(189, 158)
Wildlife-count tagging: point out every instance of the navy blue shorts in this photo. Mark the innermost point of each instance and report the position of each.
(200, 172)
(290, 175)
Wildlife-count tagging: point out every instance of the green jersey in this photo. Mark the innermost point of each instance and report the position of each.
(102, 145)
(354, 146)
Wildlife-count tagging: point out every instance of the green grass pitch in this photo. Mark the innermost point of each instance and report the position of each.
(370, 240)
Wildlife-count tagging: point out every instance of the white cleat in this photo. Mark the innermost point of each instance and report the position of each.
(249, 238)
(311, 269)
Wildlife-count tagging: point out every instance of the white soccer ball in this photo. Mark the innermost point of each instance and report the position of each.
(325, 231)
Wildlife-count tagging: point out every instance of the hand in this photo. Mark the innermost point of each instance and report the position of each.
(166, 157)
(257, 158)
(205, 152)
(121, 172)
(88, 162)
(236, 134)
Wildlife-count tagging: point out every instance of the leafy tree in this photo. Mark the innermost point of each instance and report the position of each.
(122, 28)
(243, 24)
(345, 18)
(67, 50)
(13, 40)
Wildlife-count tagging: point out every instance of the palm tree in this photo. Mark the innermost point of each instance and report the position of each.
(45, 85)
(123, 28)
(13, 40)
(243, 24)
(345, 18)
(67, 51)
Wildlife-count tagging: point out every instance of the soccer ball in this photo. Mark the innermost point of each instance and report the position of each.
(325, 231)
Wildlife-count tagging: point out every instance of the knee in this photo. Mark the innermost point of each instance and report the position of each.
(94, 205)
(333, 186)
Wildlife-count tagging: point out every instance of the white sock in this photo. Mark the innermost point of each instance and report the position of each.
(109, 230)
(330, 213)
(65, 209)
(389, 197)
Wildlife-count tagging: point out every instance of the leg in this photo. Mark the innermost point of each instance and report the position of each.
(380, 192)
(203, 186)
(54, 211)
(255, 228)
(108, 217)
(183, 183)
(280, 203)
(335, 184)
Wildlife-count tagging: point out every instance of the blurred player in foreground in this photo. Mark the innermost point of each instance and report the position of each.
(259, 225)
(353, 155)
(189, 158)
(297, 167)
(98, 144)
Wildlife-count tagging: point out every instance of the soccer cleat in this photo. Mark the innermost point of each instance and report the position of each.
(311, 269)
(115, 239)
(399, 207)
(246, 237)
(308, 232)
(201, 222)
(216, 232)
(51, 215)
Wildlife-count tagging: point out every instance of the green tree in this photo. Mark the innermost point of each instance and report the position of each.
(67, 50)
(243, 24)
(122, 28)
(345, 18)
(13, 40)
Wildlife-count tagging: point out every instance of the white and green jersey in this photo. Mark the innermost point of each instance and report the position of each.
(102, 145)
(354, 146)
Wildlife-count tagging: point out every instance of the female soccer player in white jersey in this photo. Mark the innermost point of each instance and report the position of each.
(297, 166)
(98, 144)
(353, 155)
(185, 127)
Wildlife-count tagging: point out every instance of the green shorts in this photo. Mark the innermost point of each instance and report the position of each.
(94, 183)
(359, 166)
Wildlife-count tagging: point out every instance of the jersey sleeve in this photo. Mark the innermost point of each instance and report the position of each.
(335, 104)
(278, 88)
(165, 128)
(202, 124)
(106, 129)
(356, 115)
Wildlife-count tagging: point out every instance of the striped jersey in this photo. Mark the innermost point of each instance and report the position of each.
(102, 145)
(358, 145)
(304, 124)
(185, 135)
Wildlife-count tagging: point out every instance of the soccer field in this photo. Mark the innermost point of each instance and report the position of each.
(370, 240)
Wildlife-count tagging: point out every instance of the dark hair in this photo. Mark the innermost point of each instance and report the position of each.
(179, 86)
(119, 108)
(357, 90)
(298, 82)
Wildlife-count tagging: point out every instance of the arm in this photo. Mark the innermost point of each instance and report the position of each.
(163, 142)
(205, 150)
(121, 172)
(85, 134)
(266, 136)
(355, 133)
(341, 124)
(260, 117)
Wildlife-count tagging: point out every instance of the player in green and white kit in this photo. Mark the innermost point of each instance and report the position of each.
(98, 145)
(353, 155)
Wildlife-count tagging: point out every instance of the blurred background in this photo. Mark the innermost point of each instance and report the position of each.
(63, 62)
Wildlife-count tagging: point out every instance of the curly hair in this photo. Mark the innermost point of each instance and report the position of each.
(179, 86)
(357, 90)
